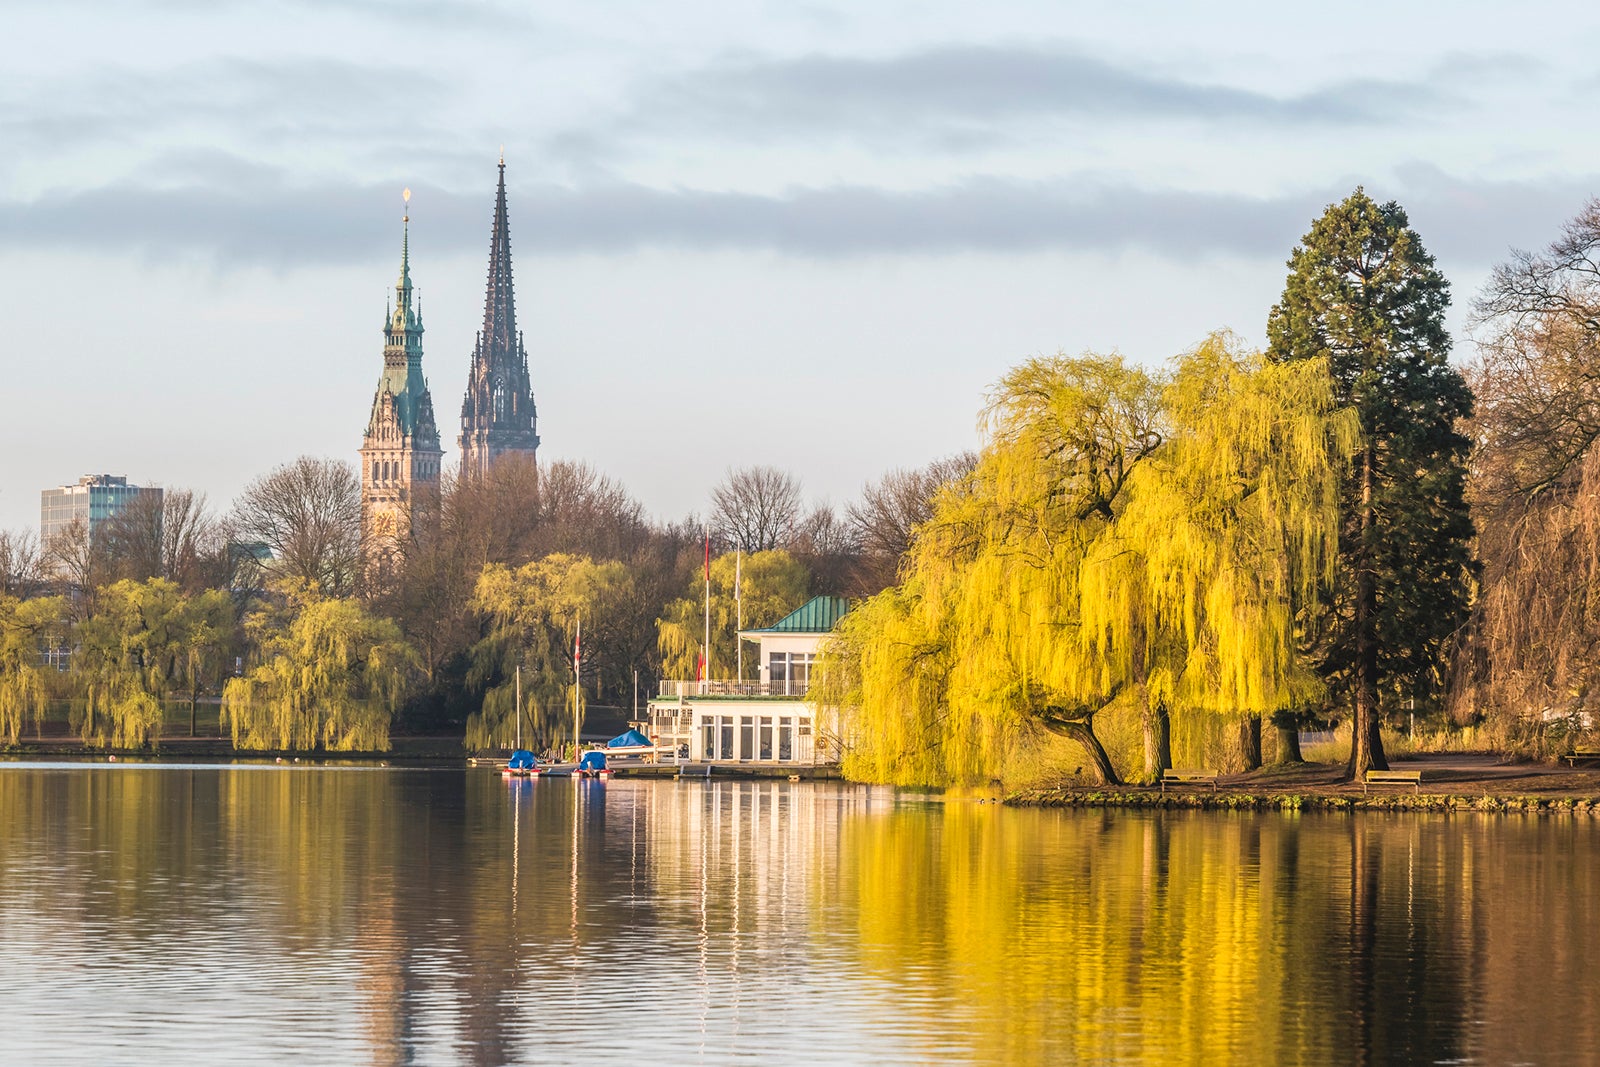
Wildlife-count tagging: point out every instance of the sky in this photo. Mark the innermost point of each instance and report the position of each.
(810, 235)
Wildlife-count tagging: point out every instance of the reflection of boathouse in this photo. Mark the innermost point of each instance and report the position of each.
(766, 721)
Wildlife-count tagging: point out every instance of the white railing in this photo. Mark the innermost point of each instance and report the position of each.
(672, 687)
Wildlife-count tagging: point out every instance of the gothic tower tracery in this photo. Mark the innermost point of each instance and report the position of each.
(497, 414)
(400, 454)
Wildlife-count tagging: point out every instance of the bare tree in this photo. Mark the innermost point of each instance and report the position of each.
(584, 511)
(755, 508)
(22, 564)
(194, 551)
(309, 514)
(1538, 369)
(131, 538)
(80, 559)
(886, 517)
(828, 545)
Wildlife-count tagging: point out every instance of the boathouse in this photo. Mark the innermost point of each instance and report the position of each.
(764, 721)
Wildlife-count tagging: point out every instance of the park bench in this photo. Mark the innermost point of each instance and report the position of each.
(1584, 754)
(1414, 778)
(1172, 776)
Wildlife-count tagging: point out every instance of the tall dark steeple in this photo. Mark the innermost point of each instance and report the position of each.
(497, 414)
(400, 454)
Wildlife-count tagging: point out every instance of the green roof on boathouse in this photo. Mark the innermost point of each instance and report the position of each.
(819, 615)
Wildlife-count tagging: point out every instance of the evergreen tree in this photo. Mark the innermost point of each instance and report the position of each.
(1364, 295)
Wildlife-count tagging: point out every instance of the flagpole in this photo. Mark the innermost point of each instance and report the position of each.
(706, 658)
(577, 695)
(738, 609)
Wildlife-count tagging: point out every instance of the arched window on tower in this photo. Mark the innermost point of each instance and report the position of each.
(374, 470)
(499, 401)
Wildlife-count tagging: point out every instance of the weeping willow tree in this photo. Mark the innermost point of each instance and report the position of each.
(1125, 537)
(127, 661)
(330, 677)
(25, 625)
(532, 614)
(772, 584)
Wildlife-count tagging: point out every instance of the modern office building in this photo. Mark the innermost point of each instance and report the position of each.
(95, 500)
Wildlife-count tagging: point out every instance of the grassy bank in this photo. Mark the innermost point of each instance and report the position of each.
(1460, 781)
(1232, 800)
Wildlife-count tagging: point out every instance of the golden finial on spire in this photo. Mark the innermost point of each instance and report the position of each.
(502, 155)
(406, 196)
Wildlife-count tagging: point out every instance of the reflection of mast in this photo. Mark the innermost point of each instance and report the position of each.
(577, 799)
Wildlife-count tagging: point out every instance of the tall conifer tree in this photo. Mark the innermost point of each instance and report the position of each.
(1364, 294)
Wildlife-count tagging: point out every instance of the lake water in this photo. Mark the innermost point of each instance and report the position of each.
(366, 915)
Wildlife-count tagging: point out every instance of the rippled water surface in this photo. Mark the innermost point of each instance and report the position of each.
(346, 916)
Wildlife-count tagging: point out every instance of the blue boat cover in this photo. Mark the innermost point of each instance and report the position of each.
(592, 761)
(521, 760)
(630, 739)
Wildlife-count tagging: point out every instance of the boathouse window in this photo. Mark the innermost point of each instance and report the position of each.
(766, 738)
(725, 729)
(789, 672)
(786, 738)
(747, 737)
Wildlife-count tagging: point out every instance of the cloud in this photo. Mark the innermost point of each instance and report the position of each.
(963, 90)
(257, 216)
(232, 99)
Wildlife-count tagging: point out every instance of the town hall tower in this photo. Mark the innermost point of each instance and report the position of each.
(400, 454)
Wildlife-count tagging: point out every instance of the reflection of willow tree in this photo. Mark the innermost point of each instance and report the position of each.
(533, 613)
(25, 626)
(1122, 539)
(1166, 954)
(331, 677)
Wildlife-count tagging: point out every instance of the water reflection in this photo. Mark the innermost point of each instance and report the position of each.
(372, 916)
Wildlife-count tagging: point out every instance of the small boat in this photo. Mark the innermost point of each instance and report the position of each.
(522, 764)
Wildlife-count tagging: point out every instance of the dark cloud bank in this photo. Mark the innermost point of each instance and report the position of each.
(277, 224)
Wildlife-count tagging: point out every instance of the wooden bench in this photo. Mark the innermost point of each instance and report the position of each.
(1583, 754)
(1392, 778)
(1172, 776)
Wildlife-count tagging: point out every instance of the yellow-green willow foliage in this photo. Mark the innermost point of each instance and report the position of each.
(1125, 537)
(533, 614)
(331, 676)
(127, 660)
(773, 584)
(25, 625)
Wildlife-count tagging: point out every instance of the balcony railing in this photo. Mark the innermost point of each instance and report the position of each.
(671, 687)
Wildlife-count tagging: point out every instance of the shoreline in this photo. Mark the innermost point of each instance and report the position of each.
(1225, 799)
(1451, 781)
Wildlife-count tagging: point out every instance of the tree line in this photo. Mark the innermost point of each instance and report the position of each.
(1343, 528)
(275, 608)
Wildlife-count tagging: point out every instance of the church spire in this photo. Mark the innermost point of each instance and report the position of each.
(497, 412)
(499, 303)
